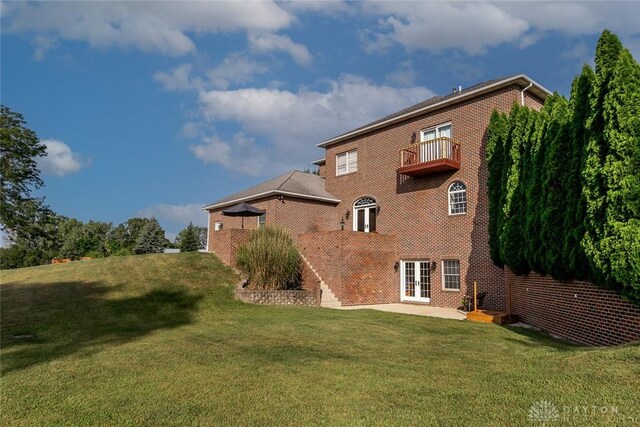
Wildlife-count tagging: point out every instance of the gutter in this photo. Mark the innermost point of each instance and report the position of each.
(435, 106)
(266, 194)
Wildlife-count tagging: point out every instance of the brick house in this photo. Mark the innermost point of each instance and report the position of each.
(399, 210)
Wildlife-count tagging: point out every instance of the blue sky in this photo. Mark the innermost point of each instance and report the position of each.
(156, 108)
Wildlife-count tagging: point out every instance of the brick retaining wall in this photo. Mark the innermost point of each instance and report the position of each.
(578, 311)
(358, 267)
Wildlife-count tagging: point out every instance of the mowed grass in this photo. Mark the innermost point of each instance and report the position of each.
(159, 340)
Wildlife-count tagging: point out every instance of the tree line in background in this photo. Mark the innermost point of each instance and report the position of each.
(564, 182)
(38, 234)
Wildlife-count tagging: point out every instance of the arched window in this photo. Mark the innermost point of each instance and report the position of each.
(364, 214)
(457, 198)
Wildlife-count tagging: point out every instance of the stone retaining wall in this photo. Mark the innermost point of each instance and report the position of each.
(287, 297)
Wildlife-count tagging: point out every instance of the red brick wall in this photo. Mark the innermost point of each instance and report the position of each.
(226, 242)
(296, 215)
(578, 311)
(416, 209)
(358, 267)
(322, 169)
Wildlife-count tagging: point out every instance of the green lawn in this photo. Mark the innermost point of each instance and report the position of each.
(159, 340)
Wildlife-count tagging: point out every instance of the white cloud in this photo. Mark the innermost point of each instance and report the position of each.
(404, 75)
(148, 26)
(286, 124)
(236, 68)
(42, 45)
(176, 215)
(242, 154)
(179, 78)
(436, 26)
(268, 42)
(473, 27)
(190, 130)
(60, 160)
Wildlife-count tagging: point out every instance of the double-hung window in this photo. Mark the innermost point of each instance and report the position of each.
(451, 275)
(347, 162)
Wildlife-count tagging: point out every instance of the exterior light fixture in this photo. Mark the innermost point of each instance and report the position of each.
(396, 265)
(433, 265)
(341, 223)
(347, 213)
(280, 198)
(378, 209)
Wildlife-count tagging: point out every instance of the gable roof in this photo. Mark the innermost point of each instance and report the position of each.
(436, 102)
(298, 184)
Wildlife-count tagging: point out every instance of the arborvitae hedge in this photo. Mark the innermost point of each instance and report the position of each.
(564, 183)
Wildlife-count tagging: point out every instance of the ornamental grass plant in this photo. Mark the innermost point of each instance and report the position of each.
(270, 259)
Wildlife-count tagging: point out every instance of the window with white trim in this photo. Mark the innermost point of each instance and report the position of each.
(262, 220)
(346, 162)
(451, 275)
(457, 198)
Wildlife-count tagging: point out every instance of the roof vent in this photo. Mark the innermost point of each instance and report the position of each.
(454, 90)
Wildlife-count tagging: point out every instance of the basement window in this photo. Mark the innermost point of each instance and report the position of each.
(451, 275)
(346, 162)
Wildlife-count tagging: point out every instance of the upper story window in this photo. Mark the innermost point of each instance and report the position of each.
(440, 131)
(457, 198)
(346, 162)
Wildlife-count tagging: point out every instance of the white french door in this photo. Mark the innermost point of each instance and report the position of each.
(364, 214)
(430, 148)
(415, 281)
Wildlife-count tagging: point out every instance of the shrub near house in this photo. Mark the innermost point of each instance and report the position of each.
(270, 260)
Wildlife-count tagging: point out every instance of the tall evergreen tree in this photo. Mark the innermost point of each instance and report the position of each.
(554, 181)
(151, 239)
(533, 246)
(512, 234)
(573, 252)
(612, 182)
(496, 135)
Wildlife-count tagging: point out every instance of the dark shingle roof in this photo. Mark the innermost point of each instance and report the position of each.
(446, 99)
(293, 183)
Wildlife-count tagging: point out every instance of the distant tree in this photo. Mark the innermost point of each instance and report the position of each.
(20, 214)
(123, 238)
(151, 239)
(188, 239)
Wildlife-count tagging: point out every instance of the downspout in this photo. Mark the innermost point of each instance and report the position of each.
(523, 91)
(208, 226)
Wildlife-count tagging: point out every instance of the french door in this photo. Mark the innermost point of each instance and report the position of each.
(364, 215)
(415, 281)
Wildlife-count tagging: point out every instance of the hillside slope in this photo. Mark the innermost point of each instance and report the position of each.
(159, 340)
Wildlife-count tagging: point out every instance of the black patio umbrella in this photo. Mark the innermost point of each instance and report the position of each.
(242, 210)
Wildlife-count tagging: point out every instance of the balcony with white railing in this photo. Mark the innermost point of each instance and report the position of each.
(433, 156)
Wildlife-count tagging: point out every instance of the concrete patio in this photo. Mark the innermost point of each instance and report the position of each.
(415, 309)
